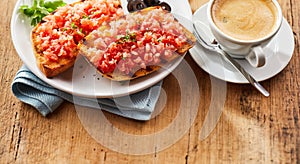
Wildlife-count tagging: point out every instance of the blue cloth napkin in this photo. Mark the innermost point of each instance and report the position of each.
(31, 90)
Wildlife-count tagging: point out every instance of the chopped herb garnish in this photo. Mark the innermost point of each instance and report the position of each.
(126, 38)
(73, 25)
(86, 17)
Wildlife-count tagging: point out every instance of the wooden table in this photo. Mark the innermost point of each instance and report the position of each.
(252, 128)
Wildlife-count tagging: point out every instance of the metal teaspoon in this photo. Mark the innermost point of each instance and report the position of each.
(216, 48)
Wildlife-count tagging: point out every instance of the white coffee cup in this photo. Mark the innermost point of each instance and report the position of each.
(227, 22)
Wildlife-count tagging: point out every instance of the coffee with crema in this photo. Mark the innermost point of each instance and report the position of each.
(245, 19)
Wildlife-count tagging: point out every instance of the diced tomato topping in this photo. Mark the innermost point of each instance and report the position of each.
(59, 35)
(148, 46)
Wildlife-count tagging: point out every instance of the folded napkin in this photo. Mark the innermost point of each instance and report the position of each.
(31, 90)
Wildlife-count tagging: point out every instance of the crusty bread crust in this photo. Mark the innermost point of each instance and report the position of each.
(116, 76)
(119, 76)
(48, 68)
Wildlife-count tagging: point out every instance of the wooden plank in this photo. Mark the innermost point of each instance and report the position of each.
(252, 128)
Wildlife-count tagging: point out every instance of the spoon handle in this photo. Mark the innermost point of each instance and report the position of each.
(252, 81)
(216, 48)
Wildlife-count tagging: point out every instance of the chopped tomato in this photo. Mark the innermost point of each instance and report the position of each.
(63, 30)
(123, 52)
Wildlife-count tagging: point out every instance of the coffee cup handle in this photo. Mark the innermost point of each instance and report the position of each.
(256, 57)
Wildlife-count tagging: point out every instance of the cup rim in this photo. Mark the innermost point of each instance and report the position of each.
(278, 25)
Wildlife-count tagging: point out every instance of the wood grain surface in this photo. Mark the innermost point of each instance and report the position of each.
(252, 128)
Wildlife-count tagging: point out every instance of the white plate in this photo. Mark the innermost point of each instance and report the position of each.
(83, 79)
(279, 52)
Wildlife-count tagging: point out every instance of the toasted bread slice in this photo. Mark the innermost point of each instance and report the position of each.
(167, 40)
(55, 39)
(48, 67)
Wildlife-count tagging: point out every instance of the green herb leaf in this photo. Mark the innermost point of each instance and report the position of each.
(86, 17)
(39, 9)
(54, 4)
(73, 25)
(26, 10)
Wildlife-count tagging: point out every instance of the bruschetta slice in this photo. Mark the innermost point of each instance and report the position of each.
(136, 44)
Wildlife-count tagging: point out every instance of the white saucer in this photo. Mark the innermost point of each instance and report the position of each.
(280, 51)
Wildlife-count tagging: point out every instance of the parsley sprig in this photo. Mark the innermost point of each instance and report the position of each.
(39, 9)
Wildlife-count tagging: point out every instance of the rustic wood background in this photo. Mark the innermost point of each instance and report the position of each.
(252, 128)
